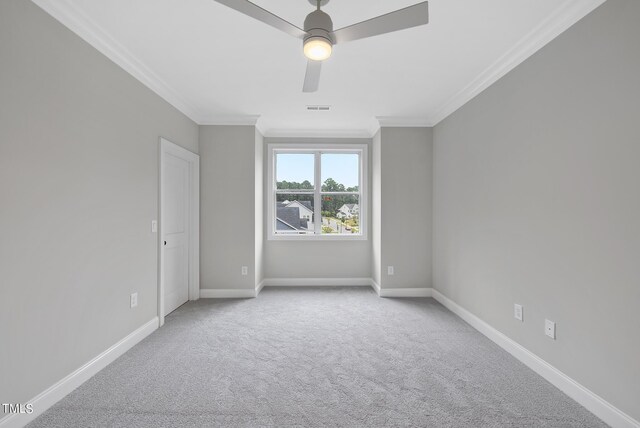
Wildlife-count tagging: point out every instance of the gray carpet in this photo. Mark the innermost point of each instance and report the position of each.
(316, 357)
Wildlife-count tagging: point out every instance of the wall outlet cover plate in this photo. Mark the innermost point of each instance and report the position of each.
(518, 312)
(550, 328)
(134, 300)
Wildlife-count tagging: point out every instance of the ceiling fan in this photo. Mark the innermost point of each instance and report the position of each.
(319, 37)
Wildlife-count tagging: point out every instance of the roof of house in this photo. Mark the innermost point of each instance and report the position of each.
(281, 225)
(306, 204)
(288, 218)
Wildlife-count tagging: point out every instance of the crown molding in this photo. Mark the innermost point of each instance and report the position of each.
(403, 122)
(563, 18)
(318, 133)
(74, 19)
(260, 127)
(374, 127)
(367, 131)
(78, 22)
(229, 120)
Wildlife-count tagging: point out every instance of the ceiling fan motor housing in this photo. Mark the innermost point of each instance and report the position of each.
(318, 24)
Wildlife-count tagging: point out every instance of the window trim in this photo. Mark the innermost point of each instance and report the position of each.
(270, 190)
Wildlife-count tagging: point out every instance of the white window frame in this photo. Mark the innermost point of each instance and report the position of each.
(317, 149)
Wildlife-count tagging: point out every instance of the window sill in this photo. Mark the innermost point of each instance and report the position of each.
(317, 238)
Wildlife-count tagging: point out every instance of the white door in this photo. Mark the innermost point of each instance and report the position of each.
(175, 231)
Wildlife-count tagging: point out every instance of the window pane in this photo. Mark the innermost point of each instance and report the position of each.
(294, 214)
(340, 214)
(340, 172)
(295, 170)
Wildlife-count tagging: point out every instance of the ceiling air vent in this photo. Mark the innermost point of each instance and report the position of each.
(318, 108)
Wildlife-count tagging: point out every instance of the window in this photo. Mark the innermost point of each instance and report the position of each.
(317, 192)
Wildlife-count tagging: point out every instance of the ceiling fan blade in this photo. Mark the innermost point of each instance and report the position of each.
(408, 17)
(263, 15)
(312, 76)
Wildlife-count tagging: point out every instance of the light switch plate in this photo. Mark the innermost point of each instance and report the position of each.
(245, 270)
(389, 270)
(154, 226)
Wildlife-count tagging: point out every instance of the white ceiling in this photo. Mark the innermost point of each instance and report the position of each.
(219, 66)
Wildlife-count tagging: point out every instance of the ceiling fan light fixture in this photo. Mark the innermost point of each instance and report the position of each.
(317, 48)
(318, 35)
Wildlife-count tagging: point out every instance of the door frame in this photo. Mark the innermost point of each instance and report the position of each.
(166, 147)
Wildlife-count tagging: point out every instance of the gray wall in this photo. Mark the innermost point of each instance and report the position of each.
(78, 192)
(376, 204)
(400, 168)
(317, 259)
(403, 169)
(227, 206)
(537, 202)
(259, 208)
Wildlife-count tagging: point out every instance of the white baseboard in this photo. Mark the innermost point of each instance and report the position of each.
(375, 286)
(230, 293)
(60, 389)
(259, 287)
(400, 292)
(246, 293)
(346, 282)
(317, 282)
(404, 292)
(588, 399)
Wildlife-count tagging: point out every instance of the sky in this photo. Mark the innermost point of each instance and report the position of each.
(343, 168)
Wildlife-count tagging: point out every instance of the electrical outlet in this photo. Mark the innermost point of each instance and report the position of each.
(389, 270)
(550, 329)
(154, 226)
(517, 312)
(134, 300)
(245, 270)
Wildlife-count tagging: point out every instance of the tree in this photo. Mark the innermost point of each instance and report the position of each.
(293, 185)
(330, 185)
(327, 229)
(330, 203)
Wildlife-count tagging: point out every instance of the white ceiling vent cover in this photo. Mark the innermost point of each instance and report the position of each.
(318, 108)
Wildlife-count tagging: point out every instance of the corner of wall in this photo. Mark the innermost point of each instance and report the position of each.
(402, 167)
(259, 209)
(376, 209)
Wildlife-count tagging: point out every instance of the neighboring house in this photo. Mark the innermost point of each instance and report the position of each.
(306, 211)
(348, 211)
(286, 213)
(288, 219)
